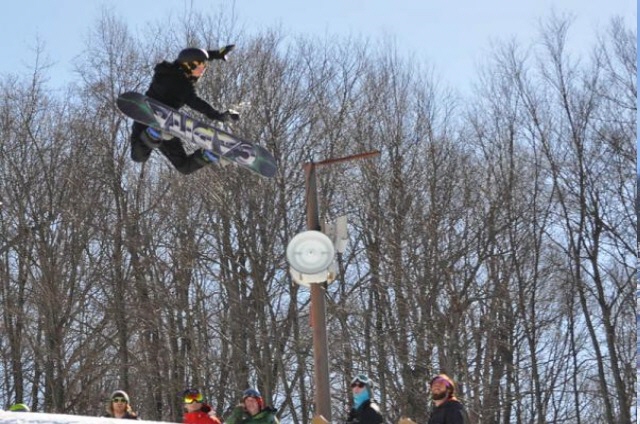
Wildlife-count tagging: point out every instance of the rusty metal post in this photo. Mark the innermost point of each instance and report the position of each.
(318, 307)
(318, 304)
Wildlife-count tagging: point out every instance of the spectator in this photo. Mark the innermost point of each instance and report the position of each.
(196, 410)
(447, 408)
(365, 410)
(120, 407)
(252, 410)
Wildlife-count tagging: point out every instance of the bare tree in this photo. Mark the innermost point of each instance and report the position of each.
(491, 242)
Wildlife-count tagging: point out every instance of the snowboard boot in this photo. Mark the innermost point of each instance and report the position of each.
(206, 157)
(151, 137)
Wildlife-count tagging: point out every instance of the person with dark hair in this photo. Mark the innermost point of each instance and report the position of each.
(173, 84)
(252, 410)
(120, 407)
(447, 408)
(197, 411)
(365, 410)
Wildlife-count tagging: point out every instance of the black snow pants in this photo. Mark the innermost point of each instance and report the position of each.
(173, 150)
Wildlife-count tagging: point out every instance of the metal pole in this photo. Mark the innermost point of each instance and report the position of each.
(318, 307)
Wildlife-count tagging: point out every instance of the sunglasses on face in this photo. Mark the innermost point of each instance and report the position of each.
(191, 398)
(119, 400)
(194, 65)
(357, 384)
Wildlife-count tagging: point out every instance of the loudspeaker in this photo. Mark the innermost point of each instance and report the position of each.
(310, 252)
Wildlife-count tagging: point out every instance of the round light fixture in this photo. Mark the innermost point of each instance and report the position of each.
(310, 252)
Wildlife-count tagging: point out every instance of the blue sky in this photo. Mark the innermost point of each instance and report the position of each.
(452, 36)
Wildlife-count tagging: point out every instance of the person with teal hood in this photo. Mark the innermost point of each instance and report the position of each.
(252, 410)
(365, 410)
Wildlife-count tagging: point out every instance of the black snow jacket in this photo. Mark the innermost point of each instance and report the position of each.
(367, 413)
(171, 86)
(450, 412)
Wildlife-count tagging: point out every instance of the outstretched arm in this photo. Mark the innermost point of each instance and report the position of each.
(221, 53)
(196, 103)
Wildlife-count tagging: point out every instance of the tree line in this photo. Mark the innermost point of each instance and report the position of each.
(491, 240)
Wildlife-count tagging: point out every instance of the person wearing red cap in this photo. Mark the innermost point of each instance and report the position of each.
(447, 408)
(197, 411)
(252, 410)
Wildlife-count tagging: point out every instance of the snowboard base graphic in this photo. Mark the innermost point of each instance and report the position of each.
(226, 146)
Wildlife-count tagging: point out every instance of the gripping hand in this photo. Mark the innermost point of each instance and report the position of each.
(221, 53)
(230, 115)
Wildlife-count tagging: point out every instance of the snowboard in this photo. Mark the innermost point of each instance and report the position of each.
(226, 146)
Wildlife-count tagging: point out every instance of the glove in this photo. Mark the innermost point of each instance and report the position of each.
(221, 53)
(230, 115)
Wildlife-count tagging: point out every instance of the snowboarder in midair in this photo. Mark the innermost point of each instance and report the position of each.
(173, 84)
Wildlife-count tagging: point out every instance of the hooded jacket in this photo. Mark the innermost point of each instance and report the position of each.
(173, 87)
(367, 413)
(449, 412)
(200, 416)
(265, 416)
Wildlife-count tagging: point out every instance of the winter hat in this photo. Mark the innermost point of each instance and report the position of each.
(120, 393)
(254, 394)
(19, 407)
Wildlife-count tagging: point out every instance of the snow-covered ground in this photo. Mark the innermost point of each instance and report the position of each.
(39, 418)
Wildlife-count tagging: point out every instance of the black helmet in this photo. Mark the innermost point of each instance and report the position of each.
(193, 54)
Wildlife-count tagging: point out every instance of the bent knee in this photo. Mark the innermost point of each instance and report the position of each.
(186, 170)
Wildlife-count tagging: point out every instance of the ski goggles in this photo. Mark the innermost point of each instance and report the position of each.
(118, 400)
(360, 380)
(192, 397)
